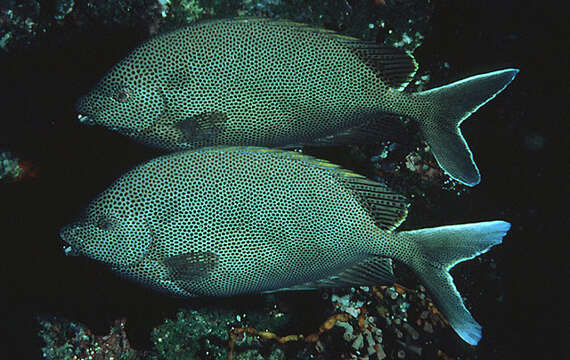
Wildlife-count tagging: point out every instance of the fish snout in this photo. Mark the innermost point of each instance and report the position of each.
(84, 107)
(68, 234)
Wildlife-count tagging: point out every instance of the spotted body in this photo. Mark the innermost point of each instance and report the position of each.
(280, 84)
(228, 221)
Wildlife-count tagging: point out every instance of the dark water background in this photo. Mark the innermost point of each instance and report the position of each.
(521, 184)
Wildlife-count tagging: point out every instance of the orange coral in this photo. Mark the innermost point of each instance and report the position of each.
(266, 335)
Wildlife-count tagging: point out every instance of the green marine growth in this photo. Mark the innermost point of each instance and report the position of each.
(281, 84)
(192, 334)
(182, 12)
(203, 333)
(228, 221)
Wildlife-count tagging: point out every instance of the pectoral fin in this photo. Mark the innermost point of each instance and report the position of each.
(202, 128)
(190, 266)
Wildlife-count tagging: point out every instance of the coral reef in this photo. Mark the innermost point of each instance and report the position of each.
(25, 23)
(412, 170)
(386, 322)
(14, 169)
(18, 23)
(398, 23)
(390, 322)
(66, 340)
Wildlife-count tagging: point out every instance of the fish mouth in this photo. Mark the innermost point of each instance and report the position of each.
(84, 109)
(85, 119)
(68, 235)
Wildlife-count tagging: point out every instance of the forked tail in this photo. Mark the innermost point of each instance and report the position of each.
(443, 109)
(439, 250)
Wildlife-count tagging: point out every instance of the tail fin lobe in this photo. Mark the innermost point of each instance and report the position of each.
(440, 249)
(447, 107)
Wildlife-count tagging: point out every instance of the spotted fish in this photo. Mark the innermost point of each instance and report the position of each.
(226, 221)
(281, 84)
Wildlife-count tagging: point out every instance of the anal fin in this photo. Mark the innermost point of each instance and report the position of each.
(384, 126)
(374, 270)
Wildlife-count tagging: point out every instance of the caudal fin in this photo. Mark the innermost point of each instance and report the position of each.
(441, 248)
(443, 109)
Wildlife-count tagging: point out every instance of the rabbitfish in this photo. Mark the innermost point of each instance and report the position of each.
(281, 84)
(226, 221)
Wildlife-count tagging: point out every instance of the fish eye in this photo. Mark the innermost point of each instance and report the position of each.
(104, 223)
(123, 94)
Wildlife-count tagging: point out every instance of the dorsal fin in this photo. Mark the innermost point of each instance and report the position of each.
(375, 270)
(395, 67)
(387, 208)
(286, 154)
